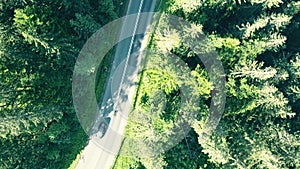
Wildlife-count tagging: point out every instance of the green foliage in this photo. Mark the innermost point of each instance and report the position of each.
(128, 162)
(204, 86)
(39, 43)
(294, 79)
(154, 122)
(184, 5)
(157, 162)
(187, 154)
(84, 26)
(257, 43)
(267, 3)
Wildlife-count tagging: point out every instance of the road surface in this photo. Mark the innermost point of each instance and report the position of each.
(120, 91)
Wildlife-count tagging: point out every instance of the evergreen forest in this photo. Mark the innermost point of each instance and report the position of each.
(256, 41)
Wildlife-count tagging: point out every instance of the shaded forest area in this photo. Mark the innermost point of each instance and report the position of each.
(39, 44)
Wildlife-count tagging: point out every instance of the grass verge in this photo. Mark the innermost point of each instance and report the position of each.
(102, 75)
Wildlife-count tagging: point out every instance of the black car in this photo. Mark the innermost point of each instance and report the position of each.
(103, 126)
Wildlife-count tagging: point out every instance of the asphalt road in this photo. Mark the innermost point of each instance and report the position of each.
(120, 91)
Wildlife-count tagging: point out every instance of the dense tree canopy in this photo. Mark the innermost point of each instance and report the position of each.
(257, 42)
(39, 43)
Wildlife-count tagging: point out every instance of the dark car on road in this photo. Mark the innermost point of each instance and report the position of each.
(103, 126)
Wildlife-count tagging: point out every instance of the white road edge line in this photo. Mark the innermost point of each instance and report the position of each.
(128, 54)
